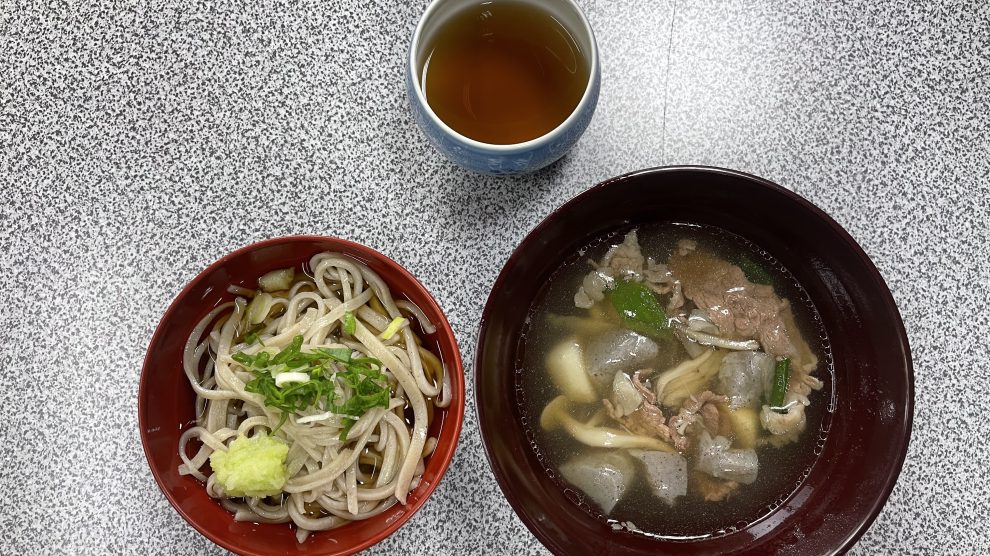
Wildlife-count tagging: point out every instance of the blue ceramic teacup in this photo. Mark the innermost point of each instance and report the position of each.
(489, 158)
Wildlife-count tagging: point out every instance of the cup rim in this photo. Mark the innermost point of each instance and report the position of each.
(510, 147)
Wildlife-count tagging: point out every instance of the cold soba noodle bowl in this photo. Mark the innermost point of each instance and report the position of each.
(314, 395)
(675, 377)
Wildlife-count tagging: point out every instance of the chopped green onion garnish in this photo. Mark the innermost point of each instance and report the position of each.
(338, 354)
(276, 280)
(293, 381)
(281, 379)
(252, 335)
(350, 323)
(393, 327)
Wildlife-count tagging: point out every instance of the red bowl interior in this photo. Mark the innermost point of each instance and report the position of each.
(874, 382)
(166, 402)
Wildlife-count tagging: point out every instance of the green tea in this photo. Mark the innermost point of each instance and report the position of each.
(504, 72)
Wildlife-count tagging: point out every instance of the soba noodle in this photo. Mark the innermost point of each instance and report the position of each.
(340, 467)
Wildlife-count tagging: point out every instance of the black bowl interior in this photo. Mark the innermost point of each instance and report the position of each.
(871, 423)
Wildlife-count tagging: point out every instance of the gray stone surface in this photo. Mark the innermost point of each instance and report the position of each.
(141, 141)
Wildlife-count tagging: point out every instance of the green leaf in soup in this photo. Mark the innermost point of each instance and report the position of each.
(754, 271)
(639, 308)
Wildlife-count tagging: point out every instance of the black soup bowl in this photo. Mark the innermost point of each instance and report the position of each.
(870, 423)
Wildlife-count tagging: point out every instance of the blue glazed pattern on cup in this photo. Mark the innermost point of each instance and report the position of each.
(523, 160)
(493, 159)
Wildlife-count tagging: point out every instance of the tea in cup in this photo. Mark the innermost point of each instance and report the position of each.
(503, 86)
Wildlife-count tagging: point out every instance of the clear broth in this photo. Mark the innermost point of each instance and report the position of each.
(782, 470)
(504, 72)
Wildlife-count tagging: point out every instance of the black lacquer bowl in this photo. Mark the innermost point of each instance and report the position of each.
(874, 384)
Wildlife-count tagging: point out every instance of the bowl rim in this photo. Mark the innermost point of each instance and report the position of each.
(887, 299)
(455, 412)
(506, 148)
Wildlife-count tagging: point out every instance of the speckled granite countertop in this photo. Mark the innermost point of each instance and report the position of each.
(141, 141)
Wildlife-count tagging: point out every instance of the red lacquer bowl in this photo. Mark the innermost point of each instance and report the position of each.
(874, 383)
(165, 400)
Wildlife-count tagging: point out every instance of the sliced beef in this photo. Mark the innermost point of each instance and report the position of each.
(647, 419)
(739, 308)
(710, 488)
(625, 258)
(626, 261)
(698, 412)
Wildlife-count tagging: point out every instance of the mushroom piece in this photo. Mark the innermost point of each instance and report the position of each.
(625, 398)
(593, 288)
(567, 370)
(676, 372)
(699, 321)
(603, 476)
(712, 340)
(694, 349)
(557, 415)
(791, 421)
